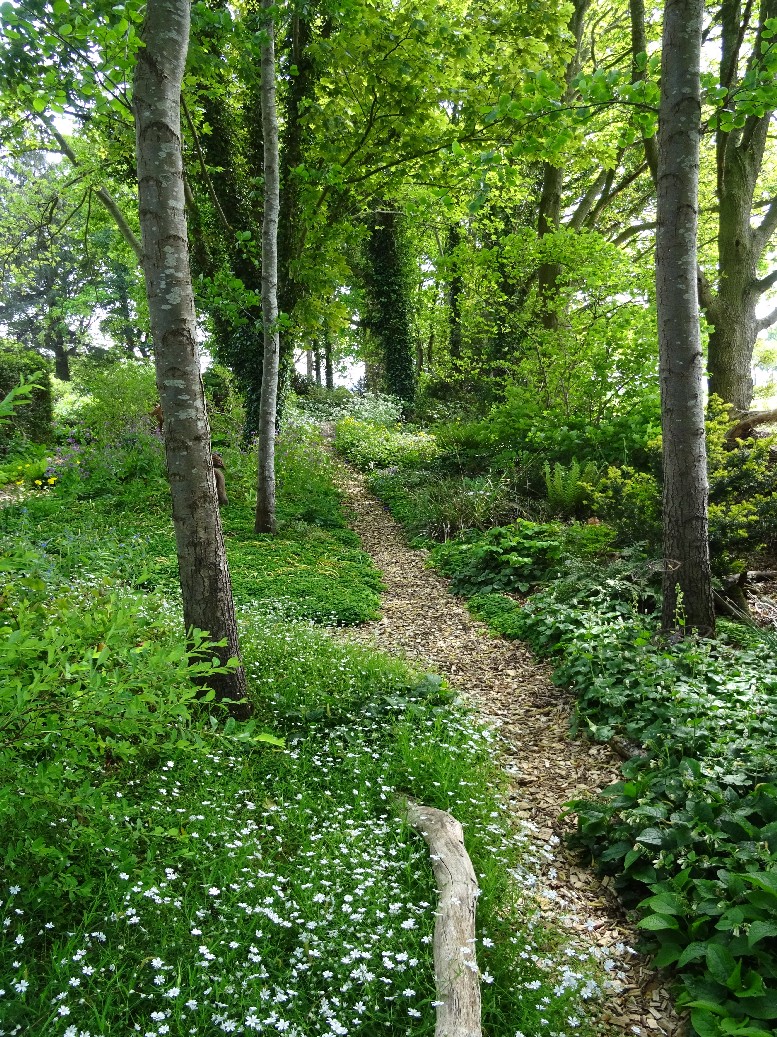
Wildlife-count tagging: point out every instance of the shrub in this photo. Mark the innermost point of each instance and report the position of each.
(630, 502)
(33, 420)
(114, 401)
(368, 445)
(517, 557)
(690, 832)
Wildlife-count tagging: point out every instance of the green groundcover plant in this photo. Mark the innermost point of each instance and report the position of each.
(166, 871)
(691, 832)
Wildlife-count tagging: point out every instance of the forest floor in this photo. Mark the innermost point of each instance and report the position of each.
(511, 690)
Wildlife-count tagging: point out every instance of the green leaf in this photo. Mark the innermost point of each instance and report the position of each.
(720, 962)
(704, 1023)
(759, 930)
(651, 837)
(655, 923)
(692, 952)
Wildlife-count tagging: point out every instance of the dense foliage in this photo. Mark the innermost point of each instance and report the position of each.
(689, 833)
(167, 868)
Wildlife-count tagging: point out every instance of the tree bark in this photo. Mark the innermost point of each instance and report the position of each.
(265, 500)
(549, 215)
(329, 365)
(739, 157)
(685, 539)
(455, 292)
(202, 561)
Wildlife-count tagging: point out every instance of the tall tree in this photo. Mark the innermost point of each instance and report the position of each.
(388, 290)
(685, 541)
(265, 499)
(202, 560)
(747, 73)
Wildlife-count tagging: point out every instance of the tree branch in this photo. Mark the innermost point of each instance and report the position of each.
(631, 232)
(766, 227)
(203, 165)
(766, 321)
(105, 197)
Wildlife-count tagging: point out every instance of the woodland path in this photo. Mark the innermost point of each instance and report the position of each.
(512, 691)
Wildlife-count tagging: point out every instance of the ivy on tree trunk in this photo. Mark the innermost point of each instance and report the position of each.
(388, 287)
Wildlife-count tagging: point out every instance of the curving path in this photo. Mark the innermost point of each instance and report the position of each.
(512, 691)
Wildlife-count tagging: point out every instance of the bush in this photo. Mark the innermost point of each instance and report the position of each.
(517, 557)
(368, 445)
(630, 502)
(33, 420)
(691, 831)
(114, 400)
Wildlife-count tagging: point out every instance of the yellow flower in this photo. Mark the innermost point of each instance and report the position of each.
(38, 482)
(52, 480)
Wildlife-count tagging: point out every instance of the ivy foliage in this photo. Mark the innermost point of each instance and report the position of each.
(387, 276)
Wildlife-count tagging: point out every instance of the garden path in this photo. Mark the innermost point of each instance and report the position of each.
(512, 691)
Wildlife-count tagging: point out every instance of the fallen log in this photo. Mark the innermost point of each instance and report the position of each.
(747, 422)
(456, 974)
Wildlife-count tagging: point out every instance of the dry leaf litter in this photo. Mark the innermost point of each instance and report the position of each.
(512, 691)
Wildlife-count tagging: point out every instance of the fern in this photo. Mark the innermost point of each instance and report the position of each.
(568, 487)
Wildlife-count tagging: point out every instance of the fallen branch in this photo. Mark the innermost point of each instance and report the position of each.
(455, 964)
(747, 422)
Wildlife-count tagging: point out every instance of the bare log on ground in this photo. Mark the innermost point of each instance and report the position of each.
(455, 963)
(747, 422)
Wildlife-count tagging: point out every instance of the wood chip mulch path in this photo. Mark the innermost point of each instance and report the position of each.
(512, 691)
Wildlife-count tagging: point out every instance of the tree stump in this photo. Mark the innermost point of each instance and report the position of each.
(456, 973)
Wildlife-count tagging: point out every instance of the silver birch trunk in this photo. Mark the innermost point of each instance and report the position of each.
(685, 539)
(202, 560)
(268, 406)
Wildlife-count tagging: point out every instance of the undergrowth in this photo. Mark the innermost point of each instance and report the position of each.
(690, 833)
(167, 871)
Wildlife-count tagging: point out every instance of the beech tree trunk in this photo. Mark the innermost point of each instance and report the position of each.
(742, 245)
(685, 543)
(549, 215)
(268, 407)
(202, 561)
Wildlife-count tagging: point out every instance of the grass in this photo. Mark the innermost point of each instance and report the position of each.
(166, 871)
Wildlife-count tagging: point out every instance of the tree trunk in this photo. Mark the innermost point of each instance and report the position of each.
(265, 500)
(292, 229)
(390, 306)
(455, 292)
(549, 216)
(685, 542)
(127, 328)
(202, 561)
(61, 359)
(329, 366)
(732, 314)
(317, 363)
(740, 154)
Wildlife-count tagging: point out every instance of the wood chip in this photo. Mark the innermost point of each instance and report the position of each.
(502, 680)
